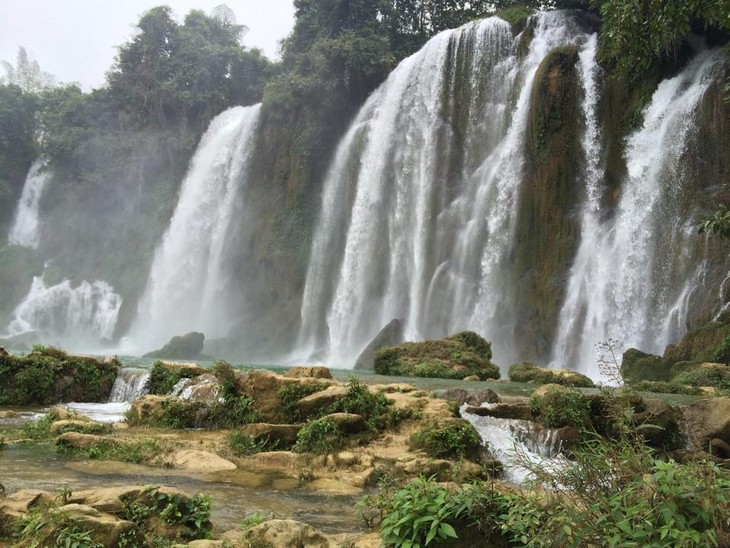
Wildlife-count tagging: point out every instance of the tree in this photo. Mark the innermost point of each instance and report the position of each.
(26, 74)
(717, 224)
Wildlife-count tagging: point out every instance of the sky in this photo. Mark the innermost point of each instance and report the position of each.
(76, 40)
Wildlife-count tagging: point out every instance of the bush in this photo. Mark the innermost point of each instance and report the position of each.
(290, 394)
(320, 436)
(164, 376)
(243, 445)
(529, 372)
(360, 401)
(714, 375)
(672, 387)
(560, 406)
(455, 438)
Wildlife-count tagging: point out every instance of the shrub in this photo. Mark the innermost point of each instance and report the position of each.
(714, 375)
(455, 438)
(244, 445)
(561, 406)
(290, 394)
(672, 387)
(529, 372)
(319, 436)
(639, 366)
(164, 376)
(360, 401)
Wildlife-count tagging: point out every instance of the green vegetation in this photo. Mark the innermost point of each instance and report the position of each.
(290, 394)
(175, 413)
(529, 372)
(717, 224)
(453, 439)
(163, 376)
(242, 445)
(559, 406)
(361, 401)
(454, 357)
(319, 436)
(48, 375)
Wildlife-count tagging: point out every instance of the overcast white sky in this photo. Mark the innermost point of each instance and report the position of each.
(76, 40)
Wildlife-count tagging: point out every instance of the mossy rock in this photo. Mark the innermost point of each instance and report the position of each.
(453, 438)
(714, 375)
(529, 372)
(639, 366)
(709, 343)
(165, 375)
(559, 406)
(49, 375)
(455, 357)
(184, 347)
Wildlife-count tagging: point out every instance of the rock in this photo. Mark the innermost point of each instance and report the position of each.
(310, 372)
(659, 425)
(186, 347)
(454, 357)
(348, 423)
(203, 388)
(76, 440)
(471, 378)
(199, 461)
(461, 396)
(263, 387)
(707, 420)
(64, 413)
(639, 366)
(284, 436)
(108, 500)
(313, 404)
(567, 437)
(103, 528)
(26, 499)
(720, 448)
(146, 408)
(520, 411)
(73, 425)
(390, 335)
(203, 544)
(281, 460)
(2, 491)
(281, 533)
(9, 415)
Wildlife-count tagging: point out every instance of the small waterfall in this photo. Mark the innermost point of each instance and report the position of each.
(24, 230)
(130, 384)
(76, 317)
(633, 273)
(419, 205)
(188, 288)
(513, 441)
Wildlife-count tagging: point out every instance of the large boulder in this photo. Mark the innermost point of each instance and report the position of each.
(529, 372)
(454, 357)
(391, 335)
(708, 420)
(75, 440)
(313, 404)
(309, 372)
(264, 387)
(185, 347)
(198, 461)
(204, 388)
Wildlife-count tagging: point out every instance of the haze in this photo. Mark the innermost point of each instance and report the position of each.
(76, 40)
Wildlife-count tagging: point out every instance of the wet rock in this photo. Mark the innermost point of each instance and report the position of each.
(461, 396)
(282, 435)
(391, 335)
(199, 461)
(205, 388)
(720, 448)
(310, 372)
(520, 411)
(280, 533)
(707, 420)
(263, 387)
(146, 408)
(186, 347)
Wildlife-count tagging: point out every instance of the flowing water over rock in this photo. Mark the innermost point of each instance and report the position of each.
(419, 206)
(188, 288)
(129, 385)
(76, 317)
(633, 272)
(517, 442)
(25, 226)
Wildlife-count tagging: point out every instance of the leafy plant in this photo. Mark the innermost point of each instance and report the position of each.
(242, 444)
(561, 406)
(290, 394)
(455, 438)
(320, 436)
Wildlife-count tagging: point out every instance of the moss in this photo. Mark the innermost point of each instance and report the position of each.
(175, 413)
(50, 375)
(704, 344)
(661, 387)
(164, 376)
(639, 366)
(529, 372)
(454, 357)
(560, 406)
(290, 394)
(706, 374)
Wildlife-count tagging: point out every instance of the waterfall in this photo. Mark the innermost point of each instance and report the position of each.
(420, 202)
(633, 272)
(130, 384)
(24, 230)
(76, 317)
(188, 288)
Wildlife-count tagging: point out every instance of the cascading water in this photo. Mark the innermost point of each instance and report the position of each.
(130, 384)
(633, 273)
(81, 317)
(24, 230)
(188, 287)
(420, 203)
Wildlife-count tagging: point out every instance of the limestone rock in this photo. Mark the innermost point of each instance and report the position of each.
(283, 435)
(71, 424)
(263, 387)
(146, 407)
(186, 347)
(391, 335)
(199, 461)
(529, 372)
(519, 411)
(310, 372)
(471, 378)
(205, 388)
(284, 533)
(461, 396)
(707, 420)
(83, 441)
(314, 403)
(9, 415)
